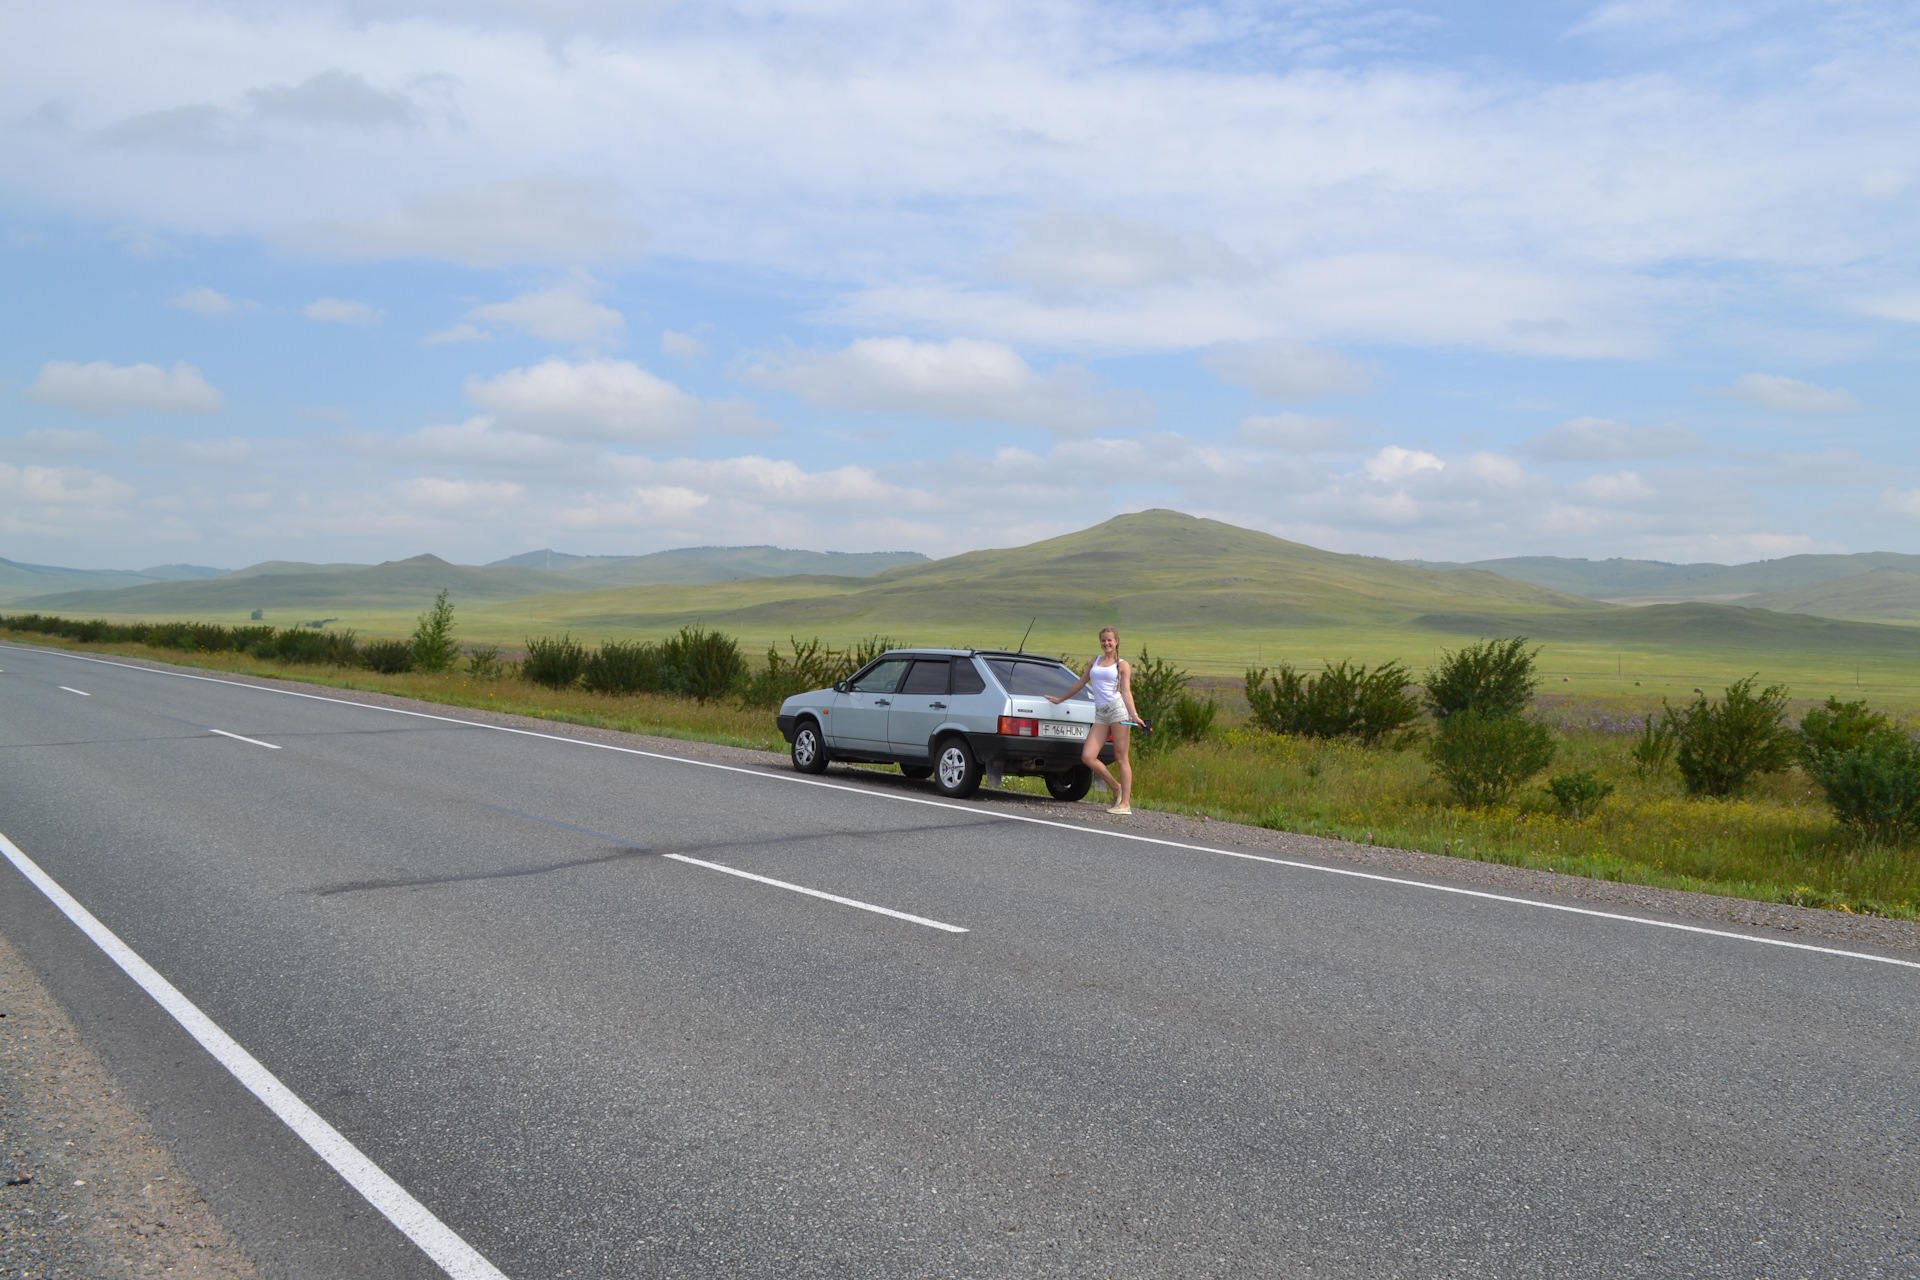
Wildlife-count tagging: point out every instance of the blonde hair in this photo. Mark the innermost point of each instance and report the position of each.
(1110, 631)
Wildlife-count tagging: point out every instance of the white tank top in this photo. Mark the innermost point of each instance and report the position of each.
(1105, 682)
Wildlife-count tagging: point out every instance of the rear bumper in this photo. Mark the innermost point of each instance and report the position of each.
(1035, 755)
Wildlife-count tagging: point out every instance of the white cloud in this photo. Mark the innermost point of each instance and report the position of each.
(1394, 463)
(544, 221)
(1289, 371)
(1297, 433)
(222, 454)
(104, 390)
(962, 379)
(200, 126)
(60, 501)
(54, 441)
(564, 312)
(1902, 502)
(334, 97)
(462, 332)
(1787, 395)
(612, 400)
(1604, 440)
(1899, 306)
(203, 301)
(683, 345)
(341, 311)
(1064, 253)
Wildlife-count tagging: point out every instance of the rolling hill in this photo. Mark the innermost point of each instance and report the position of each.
(20, 581)
(710, 564)
(314, 589)
(1650, 581)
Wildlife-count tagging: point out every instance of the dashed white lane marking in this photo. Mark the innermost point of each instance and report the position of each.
(237, 738)
(815, 893)
(82, 692)
(798, 780)
(436, 1239)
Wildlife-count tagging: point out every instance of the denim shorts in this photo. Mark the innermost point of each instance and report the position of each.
(1114, 712)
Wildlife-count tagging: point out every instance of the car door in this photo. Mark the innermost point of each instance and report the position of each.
(919, 706)
(860, 714)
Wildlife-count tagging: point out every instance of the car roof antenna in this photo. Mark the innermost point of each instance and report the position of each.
(1025, 634)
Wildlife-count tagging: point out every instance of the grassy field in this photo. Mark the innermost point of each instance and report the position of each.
(1776, 844)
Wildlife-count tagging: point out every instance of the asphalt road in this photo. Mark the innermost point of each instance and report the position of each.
(470, 952)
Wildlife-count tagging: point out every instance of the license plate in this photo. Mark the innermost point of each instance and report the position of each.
(1062, 729)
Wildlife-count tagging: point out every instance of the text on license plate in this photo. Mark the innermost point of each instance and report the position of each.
(1062, 729)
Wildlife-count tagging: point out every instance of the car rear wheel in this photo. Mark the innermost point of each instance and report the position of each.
(809, 751)
(1071, 785)
(956, 770)
(916, 771)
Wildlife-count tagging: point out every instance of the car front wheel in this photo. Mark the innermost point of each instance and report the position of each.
(809, 752)
(956, 770)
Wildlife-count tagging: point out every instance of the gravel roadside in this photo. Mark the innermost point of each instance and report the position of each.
(88, 1191)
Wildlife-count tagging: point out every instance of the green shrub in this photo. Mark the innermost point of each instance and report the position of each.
(703, 664)
(1484, 758)
(1496, 677)
(483, 662)
(623, 667)
(1873, 786)
(434, 648)
(1188, 720)
(1343, 701)
(1653, 745)
(244, 638)
(1838, 727)
(389, 657)
(811, 666)
(1578, 794)
(554, 663)
(1722, 745)
(866, 650)
(1157, 686)
(297, 644)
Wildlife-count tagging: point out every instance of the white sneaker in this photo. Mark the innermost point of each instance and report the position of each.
(1121, 810)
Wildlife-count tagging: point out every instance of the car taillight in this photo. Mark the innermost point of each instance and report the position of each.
(1019, 727)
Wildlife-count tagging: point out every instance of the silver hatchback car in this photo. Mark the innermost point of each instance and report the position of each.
(953, 715)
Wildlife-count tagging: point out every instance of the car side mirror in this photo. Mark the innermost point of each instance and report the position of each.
(839, 686)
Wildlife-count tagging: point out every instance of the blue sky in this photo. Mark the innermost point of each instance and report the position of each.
(356, 281)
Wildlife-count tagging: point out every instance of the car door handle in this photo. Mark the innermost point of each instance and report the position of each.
(937, 706)
(881, 702)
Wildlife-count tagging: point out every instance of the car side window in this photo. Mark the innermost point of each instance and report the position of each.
(929, 675)
(884, 677)
(966, 677)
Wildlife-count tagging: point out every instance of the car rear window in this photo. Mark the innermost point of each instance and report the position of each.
(929, 675)
(1034, 679)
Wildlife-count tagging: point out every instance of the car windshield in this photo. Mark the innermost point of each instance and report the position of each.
(1035, 679)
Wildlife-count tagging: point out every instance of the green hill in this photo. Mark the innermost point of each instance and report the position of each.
(1885, 595)
(1646, 581)
(20, 581)
(1722, 628)
(397, 584)
(710, 564)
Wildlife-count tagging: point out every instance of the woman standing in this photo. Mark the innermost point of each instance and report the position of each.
(1111, 678)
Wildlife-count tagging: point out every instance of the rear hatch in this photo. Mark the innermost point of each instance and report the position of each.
(1029, 683)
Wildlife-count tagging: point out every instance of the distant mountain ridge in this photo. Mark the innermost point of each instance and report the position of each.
(19, 581)
(689, 565)
(1815, 584)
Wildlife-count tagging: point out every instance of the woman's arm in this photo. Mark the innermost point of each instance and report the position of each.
(1078, 685)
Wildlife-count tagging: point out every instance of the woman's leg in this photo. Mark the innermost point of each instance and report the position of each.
(1121, 741)
(1090, 756)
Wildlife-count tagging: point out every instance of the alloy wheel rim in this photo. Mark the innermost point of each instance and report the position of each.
(953, 767)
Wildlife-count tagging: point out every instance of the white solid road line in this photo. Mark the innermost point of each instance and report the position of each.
(436, 1239)
(798, 780)
(237, 738)
(82, 692)
(815, 893)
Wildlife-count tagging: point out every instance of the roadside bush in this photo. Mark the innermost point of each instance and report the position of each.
(1188, 720)
(389, 657)
(1838, 727)
(812, 665)
(244, 638)
(553, 663)
(483, 662)
(702, 664)
(1495, 677)
(297, 644)
(1653, 745)
(1873, 786)
(866, 650)
(1578, 794)
(434, 648)
(1343, 701)
(1484, 758)
(1722, 745)
(1157, 686)
(620, 666)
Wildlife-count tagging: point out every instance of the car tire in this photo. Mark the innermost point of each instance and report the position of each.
(1072, 785)
(918, 772)
(956, 770)
(809, 748)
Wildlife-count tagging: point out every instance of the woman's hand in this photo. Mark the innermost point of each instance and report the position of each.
(1055, 701)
